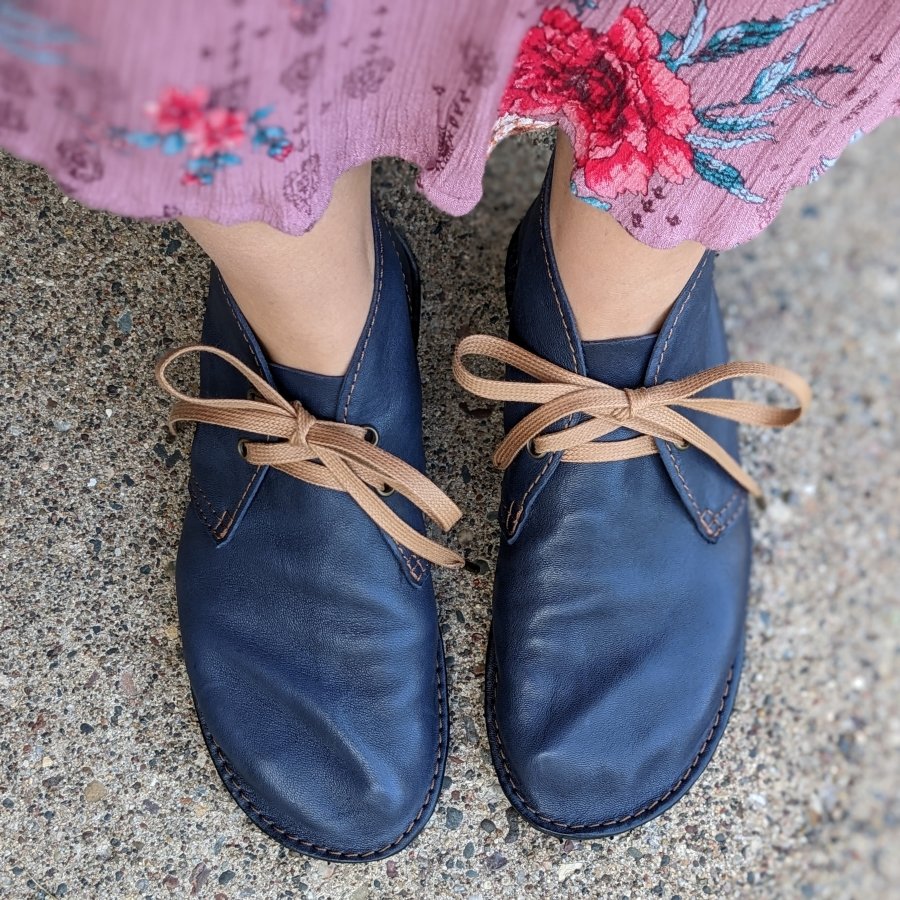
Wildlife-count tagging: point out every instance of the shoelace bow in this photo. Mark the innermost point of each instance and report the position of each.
(332, 455)
(560, 394)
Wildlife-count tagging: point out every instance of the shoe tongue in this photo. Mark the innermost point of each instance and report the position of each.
(621, 362)
(319, 394)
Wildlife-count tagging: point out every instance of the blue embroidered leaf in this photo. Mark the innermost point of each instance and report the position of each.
(819, 71)
(733, 124)
(273, 132)
(755, 33)
(737, 124)
(280, 149)
(807, 94)
(773, 77)
(227, 159)
(695, 33)
(33, 38)
(591, 201)
(199, 164)
(689, 43)
(667, 40)
(173, 143)
(261, 113)
(142, 139)
(725, 176)
(715, 143)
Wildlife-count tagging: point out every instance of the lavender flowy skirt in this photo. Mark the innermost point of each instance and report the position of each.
(691, 119)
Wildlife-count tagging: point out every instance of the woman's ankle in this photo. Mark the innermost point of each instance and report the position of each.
(307, 298)
(617, 286)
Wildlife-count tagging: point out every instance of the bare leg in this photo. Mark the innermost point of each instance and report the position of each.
(306, 297)
(618, 287)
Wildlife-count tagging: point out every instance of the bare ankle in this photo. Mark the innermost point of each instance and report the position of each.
(617, 286)
(307, 298)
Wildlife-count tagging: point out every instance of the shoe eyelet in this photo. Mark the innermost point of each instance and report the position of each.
(242, 448)
(253, 394)
(681, 445)
(385, 490)
(532, 452)
(371, 435)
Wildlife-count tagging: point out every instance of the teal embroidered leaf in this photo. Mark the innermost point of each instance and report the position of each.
(773, 77)
(717, 143)
(173, 143)
(143, 139)
(725, 176)
(262, 113)
(696, 31)
(755, 33)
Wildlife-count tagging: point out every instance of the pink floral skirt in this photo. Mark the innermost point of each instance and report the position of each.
(691, 119)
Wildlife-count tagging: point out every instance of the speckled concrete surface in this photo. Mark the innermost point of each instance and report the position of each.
(106, 790)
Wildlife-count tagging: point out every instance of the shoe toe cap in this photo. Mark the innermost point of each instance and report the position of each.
(322, 780)
(598, 762)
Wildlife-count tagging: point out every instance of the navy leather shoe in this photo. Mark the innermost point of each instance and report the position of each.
(310, 633)
(622, 578)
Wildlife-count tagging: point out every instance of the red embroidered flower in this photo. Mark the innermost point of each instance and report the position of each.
(178, 110)
(219, 129)
(630, 113)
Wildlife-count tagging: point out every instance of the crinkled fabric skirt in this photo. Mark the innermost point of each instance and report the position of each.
(690, 119)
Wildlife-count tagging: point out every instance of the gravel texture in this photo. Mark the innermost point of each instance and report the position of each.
(106, 790)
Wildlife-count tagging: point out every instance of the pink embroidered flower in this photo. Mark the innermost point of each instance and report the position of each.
(219, 129)
(281, 150)
(178, 110)
(630, 113)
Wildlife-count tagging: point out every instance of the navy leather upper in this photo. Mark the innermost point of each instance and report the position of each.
(620, 588)
(311, 639)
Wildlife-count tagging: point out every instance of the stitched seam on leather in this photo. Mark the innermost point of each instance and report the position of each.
(227, 518)
(413, 563)
(693, 286)
(555, 293)
(737, 492)
(521, 503)
(409, 557)
(226, 527)
(687, 488)
(362, 355)
(737, 511)
(342, 854)
(520, 506)
(238, 322)
(409, 305)
(194, 486)
(644, 809)
(712, 532)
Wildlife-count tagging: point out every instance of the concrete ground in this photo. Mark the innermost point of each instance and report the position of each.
(106, 790)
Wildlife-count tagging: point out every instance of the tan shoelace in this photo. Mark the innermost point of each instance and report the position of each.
(560, 394)
(328, 454)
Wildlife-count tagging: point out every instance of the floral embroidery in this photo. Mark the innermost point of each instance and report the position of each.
(630, 107)
(307, 16)
(301, 185)
(14, 79)
(367, 77)
(189, 121)
(12, 116)
(81, 159)
(630, 113)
